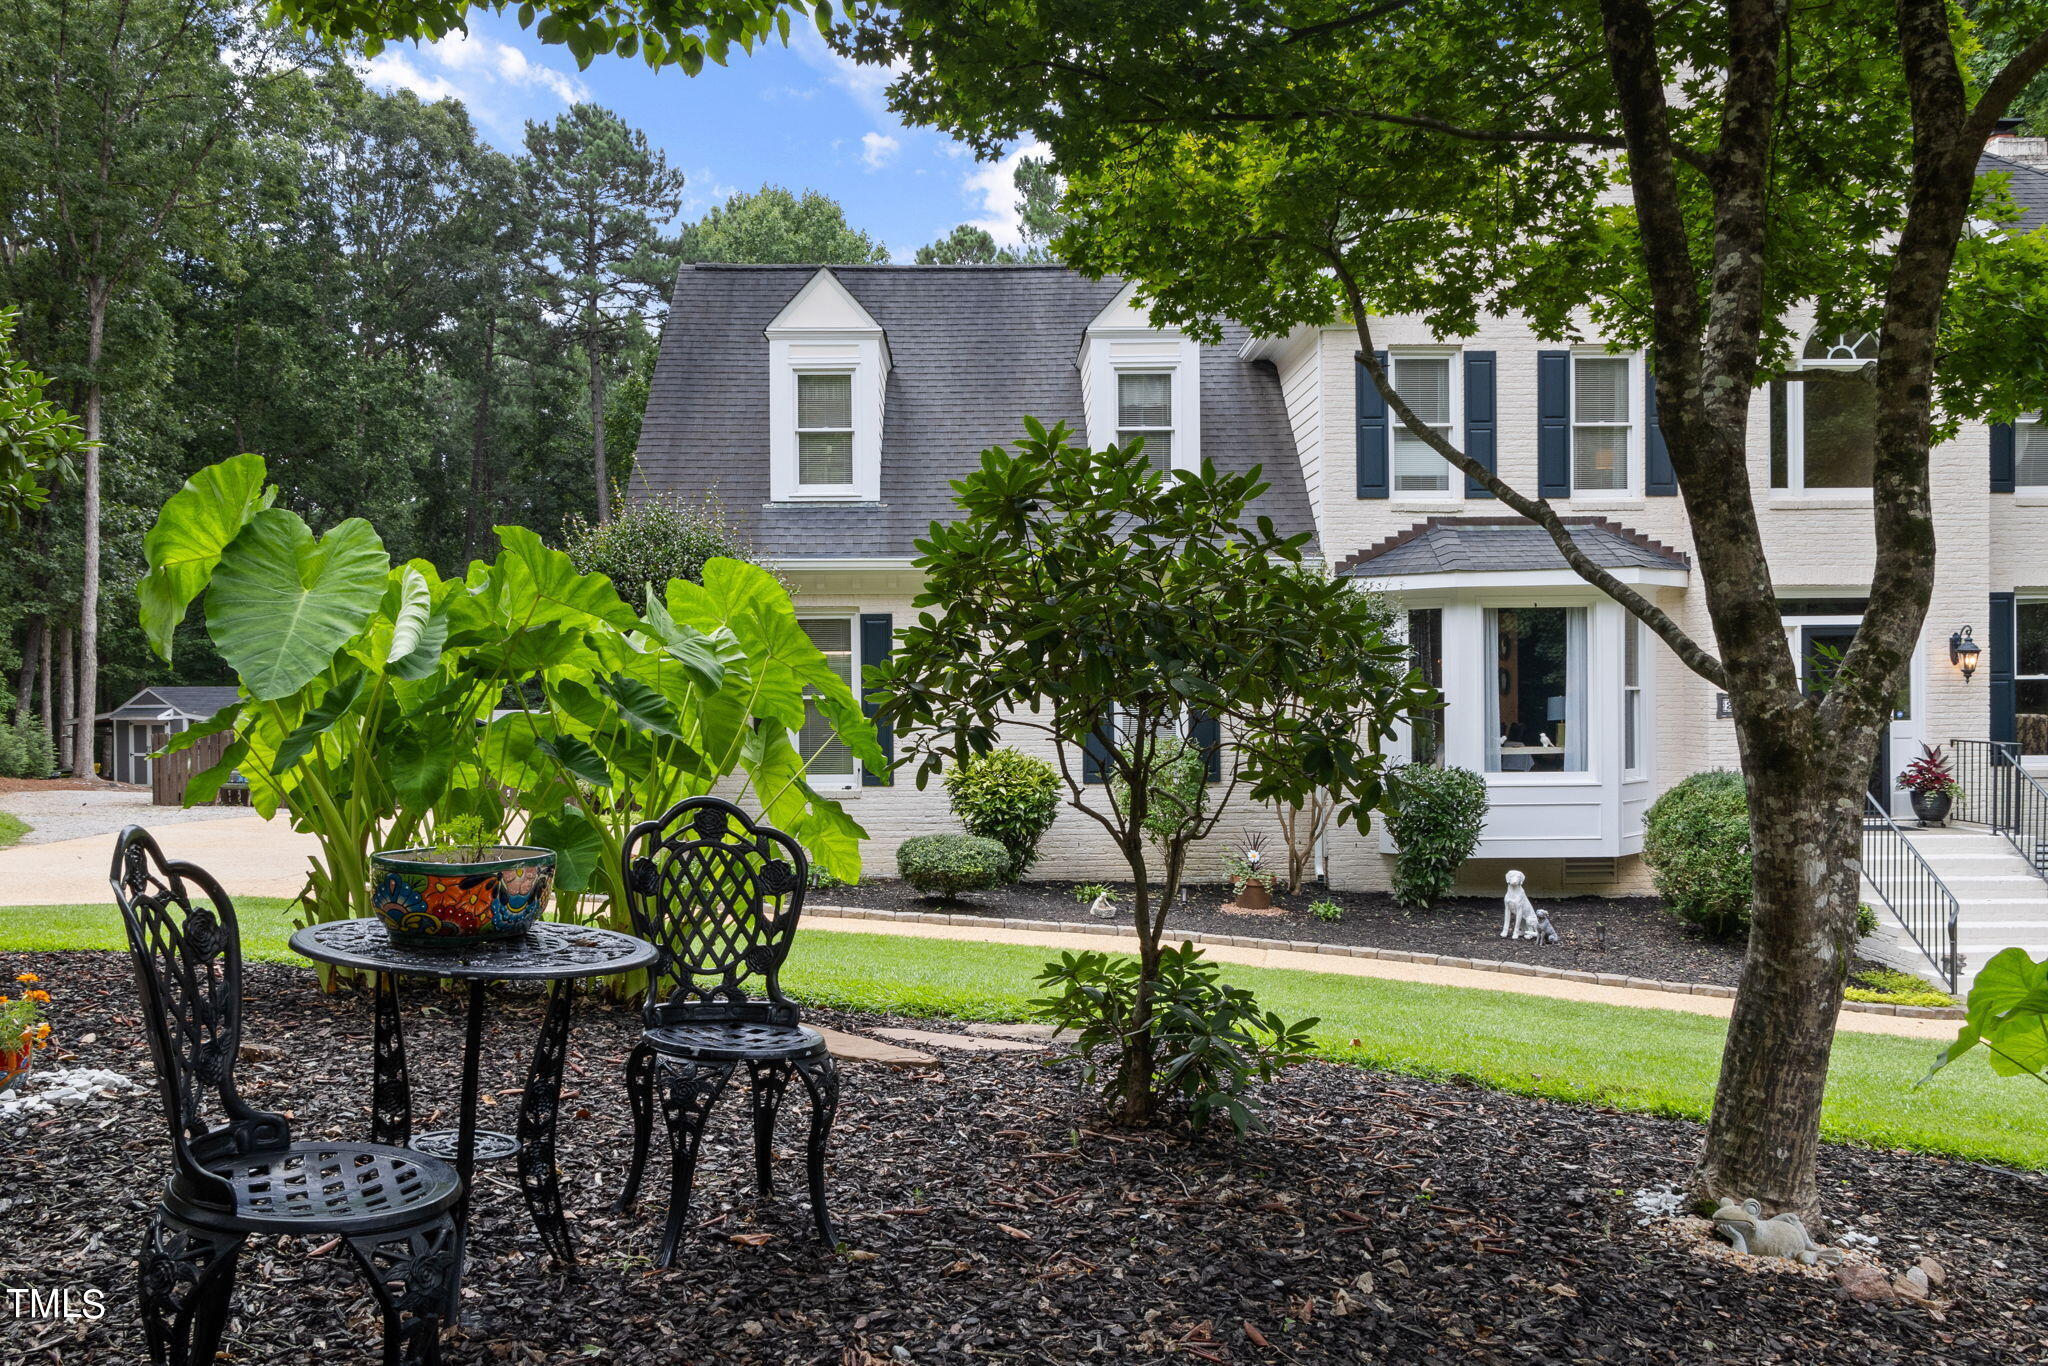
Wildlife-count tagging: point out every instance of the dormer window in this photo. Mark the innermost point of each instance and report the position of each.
(828, 369)
(824, 431)
(1138, 380)
(1144, 409)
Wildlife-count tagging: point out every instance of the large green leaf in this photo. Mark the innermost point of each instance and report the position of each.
(576, 842)
(640, 706)
(578, 758)
(531, 585)
(420, 765)
(331, 707)
(282, 602)
(197, 523)
(2007, 1011)
(418, 632)
(775, 770)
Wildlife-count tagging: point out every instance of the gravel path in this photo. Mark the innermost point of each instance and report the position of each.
(70, 813)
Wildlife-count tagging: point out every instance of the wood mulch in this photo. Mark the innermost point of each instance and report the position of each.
(1628, 936)
(9, 785)
(988, 1216)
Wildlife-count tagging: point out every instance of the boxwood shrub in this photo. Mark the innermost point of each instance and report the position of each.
(1696, 841)
(1008, 797)
(1436, 815)
(947, 865)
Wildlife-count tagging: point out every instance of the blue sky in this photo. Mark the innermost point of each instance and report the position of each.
(798, 116)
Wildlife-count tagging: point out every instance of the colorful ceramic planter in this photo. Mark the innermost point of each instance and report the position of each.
(434, 897)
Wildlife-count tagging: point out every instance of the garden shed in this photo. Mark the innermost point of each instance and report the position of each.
(140, 726)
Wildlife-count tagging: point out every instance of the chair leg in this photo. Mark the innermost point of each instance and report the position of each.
(640, 1094)
(186, 1278)
(688, 1091)
(416, 1275)
(767, 1081)
(821, 1079)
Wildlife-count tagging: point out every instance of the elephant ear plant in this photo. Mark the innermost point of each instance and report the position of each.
(523, 700)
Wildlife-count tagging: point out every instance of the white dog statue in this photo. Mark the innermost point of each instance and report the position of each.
(1519, 919)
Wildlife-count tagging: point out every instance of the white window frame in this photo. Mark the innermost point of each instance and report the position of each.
(1635, 648)
(1172, 374)
(2019, 445)
(1795, 433)
(837, 782)
(1453, 430)
(1633, 447)
(2024, 600)
(795, 378)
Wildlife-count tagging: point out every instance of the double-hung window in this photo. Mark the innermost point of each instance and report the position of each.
(1424, 383)
(1603, 423)
(2030, 452)
(1631, 695)
(830, 763)
(1144, 409)
(824, 429)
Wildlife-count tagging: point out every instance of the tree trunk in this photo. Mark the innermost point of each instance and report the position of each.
(47, 700)
(604, 482)
(67, 706)
(87, 696)
(25, 681)
(479, 442)
(1806, 841)
(1139, 1105)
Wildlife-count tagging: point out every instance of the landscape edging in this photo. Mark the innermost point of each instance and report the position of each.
(1605, 979)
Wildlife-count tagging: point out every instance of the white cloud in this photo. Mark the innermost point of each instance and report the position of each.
(868, 85)
(500, 85)
(994, 183)
(877, 150)
(704, 190)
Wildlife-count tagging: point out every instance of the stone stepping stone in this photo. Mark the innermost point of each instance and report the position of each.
(856, 1048)
(1038, 1033)
(969, 1043)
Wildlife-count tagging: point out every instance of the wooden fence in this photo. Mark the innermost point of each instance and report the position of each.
(169, 774)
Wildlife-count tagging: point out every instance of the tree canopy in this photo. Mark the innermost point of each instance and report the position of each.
(772, 226)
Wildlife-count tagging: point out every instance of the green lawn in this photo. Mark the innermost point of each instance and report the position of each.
(12, 828)
(1660, 1061)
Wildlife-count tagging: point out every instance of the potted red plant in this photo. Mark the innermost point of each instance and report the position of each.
(1932, 784)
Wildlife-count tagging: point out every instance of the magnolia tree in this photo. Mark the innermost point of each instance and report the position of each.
(378, 699)
(1086, 597)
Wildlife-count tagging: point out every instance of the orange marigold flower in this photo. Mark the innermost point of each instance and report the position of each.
(26, 977)
(40, 996)
(43, 1030)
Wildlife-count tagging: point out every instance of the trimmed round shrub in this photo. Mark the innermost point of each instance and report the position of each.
(1696, 841)
(1008, 797)
(947, 865)
(1436, 815)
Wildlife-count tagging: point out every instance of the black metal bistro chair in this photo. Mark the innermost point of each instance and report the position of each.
(719, 897)
(393, 1207)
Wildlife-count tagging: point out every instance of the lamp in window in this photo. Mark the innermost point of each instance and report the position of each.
(1963, 652)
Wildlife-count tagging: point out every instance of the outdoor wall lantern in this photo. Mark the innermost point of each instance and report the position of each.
(1963, 652)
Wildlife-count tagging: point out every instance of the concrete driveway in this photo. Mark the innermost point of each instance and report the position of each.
(64, 860)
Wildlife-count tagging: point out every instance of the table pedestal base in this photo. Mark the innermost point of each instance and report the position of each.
(446, 1144)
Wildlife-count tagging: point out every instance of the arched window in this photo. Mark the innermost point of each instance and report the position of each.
(1824, 428)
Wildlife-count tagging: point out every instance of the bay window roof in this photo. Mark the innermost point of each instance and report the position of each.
(1451, 545)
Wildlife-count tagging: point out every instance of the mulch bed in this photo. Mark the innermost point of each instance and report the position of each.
(1628, 936)
(987, 1216)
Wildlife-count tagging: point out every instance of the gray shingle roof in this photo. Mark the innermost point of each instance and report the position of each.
(973, 349)
(2028, 186)
(1451, 545)
(196, 701)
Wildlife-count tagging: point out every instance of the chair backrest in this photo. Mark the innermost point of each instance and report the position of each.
(187, 950)
(719, 897)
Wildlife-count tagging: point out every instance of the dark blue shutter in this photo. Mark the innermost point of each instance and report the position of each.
(1207, 736)
(1481, 422)
(2004, 647)
(877, 640)
(1659, 479)
(1094, 759)
(1554, 424)
(1372, 431)
(2004, 468)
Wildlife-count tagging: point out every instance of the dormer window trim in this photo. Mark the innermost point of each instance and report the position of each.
(1121, 341)
(825, 331)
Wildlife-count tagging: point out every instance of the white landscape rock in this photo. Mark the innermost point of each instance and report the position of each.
(41, 1092)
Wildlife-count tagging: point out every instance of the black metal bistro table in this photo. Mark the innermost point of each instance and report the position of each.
(549, 952)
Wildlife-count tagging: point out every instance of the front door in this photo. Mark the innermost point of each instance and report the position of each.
(142, 742)
(1820, 652)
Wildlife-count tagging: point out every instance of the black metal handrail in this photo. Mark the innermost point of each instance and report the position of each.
(1911, 890)
(1999, 792)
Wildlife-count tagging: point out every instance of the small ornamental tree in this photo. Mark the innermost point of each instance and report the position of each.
(657, 537)
(1085, 596)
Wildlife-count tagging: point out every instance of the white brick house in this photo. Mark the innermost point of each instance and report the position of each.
(828, 408)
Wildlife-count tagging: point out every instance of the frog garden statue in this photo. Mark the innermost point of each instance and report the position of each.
(1743, 1224)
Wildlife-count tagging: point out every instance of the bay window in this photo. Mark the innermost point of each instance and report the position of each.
(2030, 676)
(1631, 696)
(1536, 720)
